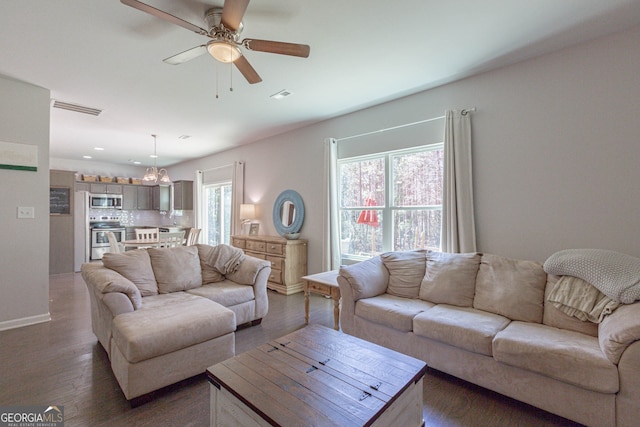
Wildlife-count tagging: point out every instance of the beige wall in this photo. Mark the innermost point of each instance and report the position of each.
(24, 251)
(556, 147)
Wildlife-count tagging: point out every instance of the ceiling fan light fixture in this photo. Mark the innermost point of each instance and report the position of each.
(224, 51)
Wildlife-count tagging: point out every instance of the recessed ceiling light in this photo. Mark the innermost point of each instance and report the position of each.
(153, 156)
(98, 148)
(282, 94)
(86, 157)
(136, 162)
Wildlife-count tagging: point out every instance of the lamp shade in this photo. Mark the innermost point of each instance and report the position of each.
(247, 211)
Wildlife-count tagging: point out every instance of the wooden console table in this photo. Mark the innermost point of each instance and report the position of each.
(324, 284)
(288, 259)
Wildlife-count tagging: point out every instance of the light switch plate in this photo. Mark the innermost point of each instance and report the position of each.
(26, 212)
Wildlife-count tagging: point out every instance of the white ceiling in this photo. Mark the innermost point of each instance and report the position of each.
(103, 54)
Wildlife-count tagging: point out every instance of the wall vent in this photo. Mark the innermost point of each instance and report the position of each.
(282, 94)
(75, 107)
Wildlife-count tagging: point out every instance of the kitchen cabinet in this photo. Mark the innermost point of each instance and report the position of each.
(102, 188)
(161, 197)
(136, 197)
(129, 198)
(183, 195)
(81, 186)
(144, 197)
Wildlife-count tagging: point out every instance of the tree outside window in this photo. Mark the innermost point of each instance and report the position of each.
(390, 202)
(217, 204)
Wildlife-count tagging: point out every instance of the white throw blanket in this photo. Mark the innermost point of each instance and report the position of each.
(580, 299)
(225, 259)
(614, 274)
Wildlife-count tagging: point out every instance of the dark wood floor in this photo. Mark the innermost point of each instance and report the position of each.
(61, 363)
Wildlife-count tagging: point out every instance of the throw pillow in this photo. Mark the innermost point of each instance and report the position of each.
(450, 278)
(209, 274)
(176, 269)
(406, 270)
(136, 266)
(511, 288)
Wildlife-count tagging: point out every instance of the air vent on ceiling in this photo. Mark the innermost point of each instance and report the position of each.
(282, 94)
(184, 137)
(75, 107)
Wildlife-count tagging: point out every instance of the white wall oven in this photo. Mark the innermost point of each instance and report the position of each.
(99, 240)
(105, 201)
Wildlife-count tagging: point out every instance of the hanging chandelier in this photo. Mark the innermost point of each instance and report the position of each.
(152, 174)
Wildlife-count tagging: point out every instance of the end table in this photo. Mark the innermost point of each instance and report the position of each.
(324, 284)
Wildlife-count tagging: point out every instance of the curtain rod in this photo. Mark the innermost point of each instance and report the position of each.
(216, 168)
(464, 112)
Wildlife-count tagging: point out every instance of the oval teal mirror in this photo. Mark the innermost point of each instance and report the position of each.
(288, 214)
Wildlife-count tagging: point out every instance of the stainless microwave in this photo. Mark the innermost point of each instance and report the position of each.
(105, 201)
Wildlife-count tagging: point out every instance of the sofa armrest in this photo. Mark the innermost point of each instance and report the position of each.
(362, 280)
(104, 281)
(366, 279)
(248, 270)
(619, 330)
(255, 272)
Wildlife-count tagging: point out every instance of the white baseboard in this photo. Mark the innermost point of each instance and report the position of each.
(25, 321)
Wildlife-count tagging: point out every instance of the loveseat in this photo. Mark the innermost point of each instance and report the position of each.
(167, 314)
(487, 319)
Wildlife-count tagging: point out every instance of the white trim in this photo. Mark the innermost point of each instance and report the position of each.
(25, 321)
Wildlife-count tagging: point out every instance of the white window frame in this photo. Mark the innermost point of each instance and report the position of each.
(205, 223)
(388, 209)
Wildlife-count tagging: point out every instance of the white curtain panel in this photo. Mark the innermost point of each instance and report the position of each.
(458, 224)
(331, 237)
(237, 196)
(199, 221)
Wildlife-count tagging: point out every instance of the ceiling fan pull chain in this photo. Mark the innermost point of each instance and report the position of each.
(230, 77)
(217, 80)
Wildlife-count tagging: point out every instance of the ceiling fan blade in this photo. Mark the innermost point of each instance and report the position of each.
(281, 48)
(165, 16)
(232, 13)
(187, 55)
(247, 70)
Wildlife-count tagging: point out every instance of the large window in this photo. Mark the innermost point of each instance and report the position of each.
(390, 202)
(217, 213)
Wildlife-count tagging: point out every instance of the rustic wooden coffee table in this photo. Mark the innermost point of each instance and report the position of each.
(317, 376)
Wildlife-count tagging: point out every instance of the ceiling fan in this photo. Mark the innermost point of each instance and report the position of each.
(225, 26)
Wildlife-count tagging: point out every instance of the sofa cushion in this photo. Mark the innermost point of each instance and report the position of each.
(392, 311)
(226, 293)
(511, 288)
(136, 266)
(406, 270)
(176, 269)
(556, 318)
(566, 356)
(450, 278)
(209, 274)
(169, 323)
(367, 278)
(463, 327)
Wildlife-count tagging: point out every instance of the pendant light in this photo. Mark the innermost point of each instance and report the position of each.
(152, 174)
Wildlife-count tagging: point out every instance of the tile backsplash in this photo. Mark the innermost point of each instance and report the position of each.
(149, 218)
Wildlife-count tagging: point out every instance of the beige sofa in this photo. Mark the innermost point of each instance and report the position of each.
(164, 315)
(486, 319)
